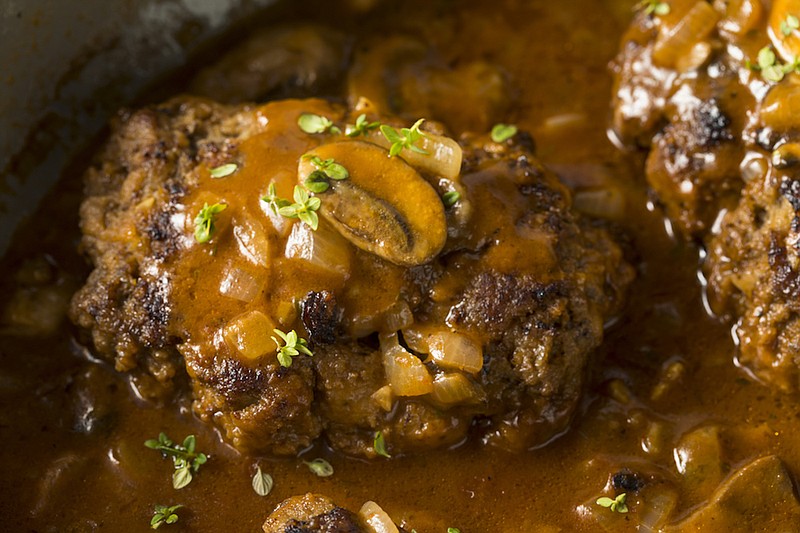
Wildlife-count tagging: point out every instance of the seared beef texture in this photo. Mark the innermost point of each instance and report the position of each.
(721, 131)
(521, 285)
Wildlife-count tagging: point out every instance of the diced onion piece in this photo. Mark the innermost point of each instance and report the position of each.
(656, 508)
(454, 389)
(741, 16)
(788, 46)
(250, 334)
(607, 203)
(397, 317)
(252, 240)
(242, 285)
(376, 519)
(384, 397)
(285, 313)
(453, 350)
(676, 41)
(443, 158)
(781, 107)
(323, 248)
(284, 181)
(406, 374)
(416, 338)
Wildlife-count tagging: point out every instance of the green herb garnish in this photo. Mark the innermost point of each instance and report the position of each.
(404, 139)
(503, 132)
(653, 7)
(789, 24)
(311, 123)
(293, 346)
(771, 69)
(379, 443)
(275, 202)
(361, 127)
(184, 457)
(304, 208)
(204, 221)
(617, 505)
(222, 171)
(450, 198)
(329, 167)
(453, 530)
(164, 515)
(320, 467)
(262, 483)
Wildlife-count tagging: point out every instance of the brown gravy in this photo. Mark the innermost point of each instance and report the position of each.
(59, 477)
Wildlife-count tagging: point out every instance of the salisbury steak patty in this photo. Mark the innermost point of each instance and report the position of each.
(435, 295)
(710, 88)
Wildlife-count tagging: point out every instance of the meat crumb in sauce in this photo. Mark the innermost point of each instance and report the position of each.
(665, 418)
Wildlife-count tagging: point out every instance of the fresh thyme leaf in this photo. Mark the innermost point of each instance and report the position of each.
(304, 208)
(329, 167)
(379, 443)
(274, 201)
(361, 127)
(503, 132)
(181, 477)
(405, 139)
(262, 483)
(771, 69)
(293, 345)
(450, 198)
(320, 467)
(204, 222)
(789, 24)
(164, 515)
(653, 7)
(224, 170)
(766, 58)
(773, 73)
(617, 505)
(311, 123)
(317, 182)
(185, 459)
(453, 530)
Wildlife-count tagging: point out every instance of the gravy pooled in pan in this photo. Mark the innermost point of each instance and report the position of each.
(296, 307)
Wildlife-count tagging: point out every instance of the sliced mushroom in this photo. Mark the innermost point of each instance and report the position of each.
(757, 494)
(384, 207)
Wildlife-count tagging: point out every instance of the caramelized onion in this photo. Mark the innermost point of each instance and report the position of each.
(241, 284)
(453, 350)
(443, 157)
(376, 519)
(781, 107)
(677, 41)
(788, 46)
(607, 203)
(252, 240)
(455, 389)
(406, 374)
(250, 334)
(397, 317)
(740, 16)
(384, 397)
(323, 248)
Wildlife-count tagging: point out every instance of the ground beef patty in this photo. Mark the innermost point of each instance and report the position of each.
(434, 295)
(709, 88)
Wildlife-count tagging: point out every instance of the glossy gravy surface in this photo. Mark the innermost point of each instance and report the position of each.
(58, 477)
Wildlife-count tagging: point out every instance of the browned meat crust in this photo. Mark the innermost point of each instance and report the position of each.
(525, 278)
(692, 120)
(311, 513)
(722, 136)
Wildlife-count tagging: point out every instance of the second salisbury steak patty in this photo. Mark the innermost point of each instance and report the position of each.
(435, 294)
